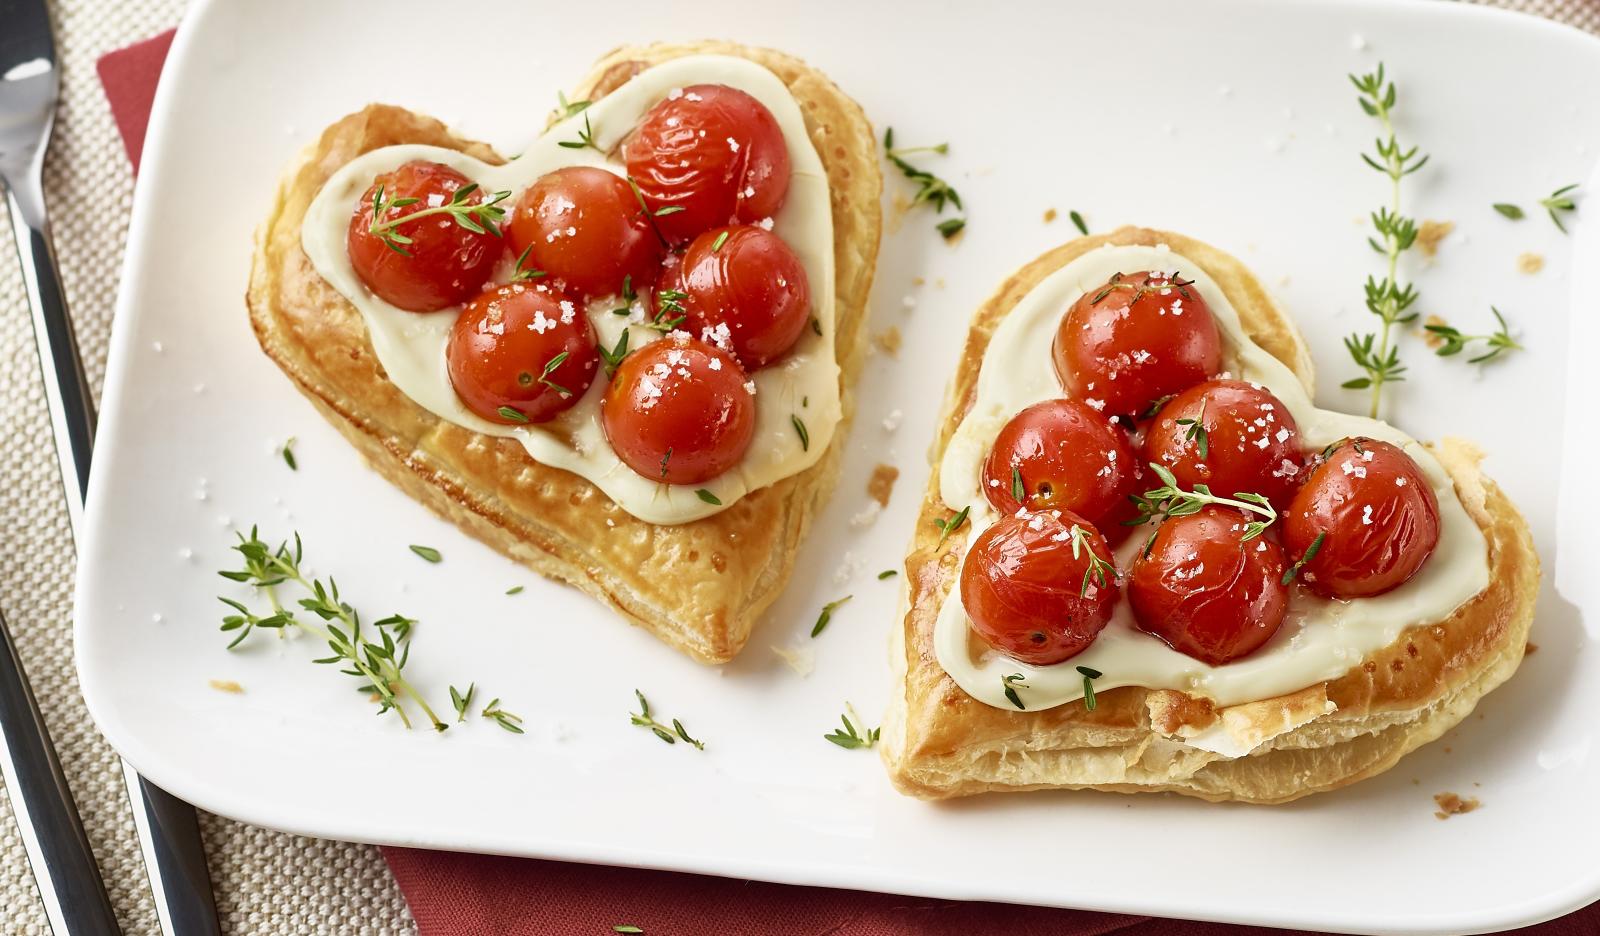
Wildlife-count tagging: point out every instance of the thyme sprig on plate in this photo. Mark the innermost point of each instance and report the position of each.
(1171, 500)
(644, 719)
(931, 189)
(288, 454)
(377, 657)
(827, 614)
(1558, 201)
(852, 738)
(1453, 341)
(1389, 299)
(478, 217)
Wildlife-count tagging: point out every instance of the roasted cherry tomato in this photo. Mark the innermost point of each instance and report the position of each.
(1207, 591)
(1063, 455)
(429, 263)
(1231, 436)
(1371, 514)
(584, 227)
(1039, 587)
(746, 292)
(1135, 339)
(680, 411)
(706, 156)
(521, 354)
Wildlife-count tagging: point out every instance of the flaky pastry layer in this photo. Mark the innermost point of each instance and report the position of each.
(698, 586)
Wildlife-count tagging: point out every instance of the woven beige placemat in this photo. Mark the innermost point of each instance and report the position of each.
(266, 882)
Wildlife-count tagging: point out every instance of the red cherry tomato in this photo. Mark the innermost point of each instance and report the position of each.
(1027, 594)
(679, 411)
(583, 226)
(745, 292)
(521, 354)
(1205, 590)
(712, 151)
(1375, 512)
(1231, 436)
(443, 263)
(1064, 456)
(1137, 338)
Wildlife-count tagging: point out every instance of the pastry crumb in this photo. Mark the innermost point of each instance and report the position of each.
(1530, 263)
(1431, 233)
(1530, 649)
(898, 206)
(919, 281)
(1452, 805)
(891, 422)
(881, 484)
(888, 340)
(1049, 215)
(227, 685)
(802, 659)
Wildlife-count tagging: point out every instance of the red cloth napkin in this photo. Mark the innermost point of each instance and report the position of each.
(483, 895)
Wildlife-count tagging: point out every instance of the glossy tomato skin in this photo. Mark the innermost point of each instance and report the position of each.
(584, 227)
(1378, 516)
(746, 292)
(1134, 340)
(447, 264)
(679, 411)
(1069, 458)
(1205, 590)
(1024, 590)
(1251, 440)
(501, 344)
(713, 151)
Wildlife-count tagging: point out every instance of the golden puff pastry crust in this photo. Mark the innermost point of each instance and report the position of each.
(698, 586)
(939, 742)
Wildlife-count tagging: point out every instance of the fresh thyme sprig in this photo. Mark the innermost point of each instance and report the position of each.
(550, 368)
(1560, 200)
(612, 358)
(480, 217)
(950, 525)
(568, 108)
(1389, 299)
(1310, 554)
(523, 272)
(827, 614)
(644, 719)
(1154, 284)
(672, 311)
(1453, 341)
(1171, 500)
(1089, 676)
(1509, 210)
(801, 431)
(1099, 571)
(1196, 431)
(850, 738)
(1012, 683)
(378, 661)
(462, 700)
(931, 189)
(503, 718)
(288, 454)
(585, 138)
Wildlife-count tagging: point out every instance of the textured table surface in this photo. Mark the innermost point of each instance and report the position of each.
(266, 882)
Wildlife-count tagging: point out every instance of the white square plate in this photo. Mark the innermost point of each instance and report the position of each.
(1231, 121)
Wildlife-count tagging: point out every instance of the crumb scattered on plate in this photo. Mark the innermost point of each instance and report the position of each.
(898, 206)
(881, 484)
(1431, 233)
(1452, 805)
(888, 340)
(227, 685)
(1049, 215)
(1530, 263)
(1530, 649)
(801, 659)
(891, 422)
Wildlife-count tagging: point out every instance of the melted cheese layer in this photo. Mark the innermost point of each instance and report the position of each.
(1320, 638)
(804, 383)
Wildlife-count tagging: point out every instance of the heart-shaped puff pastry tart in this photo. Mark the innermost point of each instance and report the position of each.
(648, 406)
